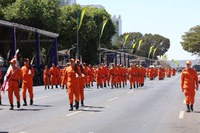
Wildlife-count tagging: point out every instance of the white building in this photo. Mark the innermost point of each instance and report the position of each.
(67, 2)
(118, 23)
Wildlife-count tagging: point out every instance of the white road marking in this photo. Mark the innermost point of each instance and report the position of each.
(114, 98)
(41, 97)
(74, 113)
(91, 132)
(181, 115)
(130, 92)
(91, 113)
(21, 132)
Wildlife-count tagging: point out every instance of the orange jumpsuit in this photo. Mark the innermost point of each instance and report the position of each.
(99, 77)
(132, 72)
(82, 81)
(13, 84)
(112, 75)
(151, 73)
(62, 77)
(53, 73)
(168, 72)
(71, 80)
(189, 81)
(0, 84)
(27, 81)
(46, 77)
(173, 72)
(90, 76)
(58, 74)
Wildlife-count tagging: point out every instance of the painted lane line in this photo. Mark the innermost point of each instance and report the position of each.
(114, 98)
(41, 97)
(130, 92)
(74, 113)
(181, 115)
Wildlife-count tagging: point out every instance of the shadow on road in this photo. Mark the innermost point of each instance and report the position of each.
(94, 107)
(196, 111)
(3, 132)
(88, 110)
(42, 105)
(28, 110)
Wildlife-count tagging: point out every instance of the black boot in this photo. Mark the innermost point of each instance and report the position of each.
(0, 102)
(48, 86)
(31, 101)
(123, 85)
(77, 105)
(25, 103)
(191, 107)
(130, 87)
(11, 106)
(18, 104)
(52, 87)
(82, 103)
(188, 108)
(134, 85)
(111, 86)
(71, 107)
(56, 86)
(45, 87)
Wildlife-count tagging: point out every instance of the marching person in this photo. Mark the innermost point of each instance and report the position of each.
(1, 80)
(189, 83)
(46, 77)
(27, 81)
(14, 77)
(53, 75)
(71, 83)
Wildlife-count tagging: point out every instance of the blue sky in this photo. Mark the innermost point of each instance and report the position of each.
(169, 18)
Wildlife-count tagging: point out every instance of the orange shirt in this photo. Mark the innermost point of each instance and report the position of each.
(14, 76)
(27, 75)
(70, 76)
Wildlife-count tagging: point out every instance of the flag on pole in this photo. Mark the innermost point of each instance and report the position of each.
(103, 26)
(80, 18)
(126, 37)
(5, 81)
(150, 50)
(140, 42)
(154, 52)
(133, 47)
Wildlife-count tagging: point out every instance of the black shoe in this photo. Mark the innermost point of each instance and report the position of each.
(11, 107)
(31, 102)
(0, 102)
(45, 87)
(52, 87)
(82, 103)
(48, 87)
(191, 107)
(18, 104)
(130, 87)
(25, 103)
(188, 108)
(77, 105)
(56, 86)
(71, 107)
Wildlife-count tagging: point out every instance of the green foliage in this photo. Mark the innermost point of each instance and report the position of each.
(161, 43)
(191, 40)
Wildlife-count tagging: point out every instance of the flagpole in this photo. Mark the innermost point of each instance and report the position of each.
(77, 49)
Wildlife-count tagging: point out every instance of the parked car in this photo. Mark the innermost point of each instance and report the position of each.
(197, 68)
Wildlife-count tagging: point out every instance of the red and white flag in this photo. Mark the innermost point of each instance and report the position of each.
(5, 82)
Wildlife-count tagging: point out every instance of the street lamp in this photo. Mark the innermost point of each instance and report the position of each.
(68, 52)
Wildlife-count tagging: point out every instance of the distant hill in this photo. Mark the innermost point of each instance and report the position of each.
(182, 63)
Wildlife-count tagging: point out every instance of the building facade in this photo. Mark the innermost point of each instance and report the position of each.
(67, 2)
(118, 23)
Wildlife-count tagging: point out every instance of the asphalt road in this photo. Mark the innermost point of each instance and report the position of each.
(158, 107)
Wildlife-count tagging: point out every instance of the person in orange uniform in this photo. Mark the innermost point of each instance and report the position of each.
(151, 73)
(46, 77)
(27, 81)
(0, 84)
(58, 80)
(112, 75)
(189, 83)
(142, 75)
(53, 73)
(91, 75)
(173, 72)
(84, 73)
(62, 77)
(99, 77)
(73, 91)
(132, 72)
(14, 77)
(168, 72)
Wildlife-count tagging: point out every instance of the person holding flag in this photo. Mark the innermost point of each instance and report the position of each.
(27, 81)
(13, 78)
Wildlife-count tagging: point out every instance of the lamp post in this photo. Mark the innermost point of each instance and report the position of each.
(68, 52)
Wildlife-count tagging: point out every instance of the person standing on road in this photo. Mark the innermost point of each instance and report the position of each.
(53, 73)
(1, 80)
(71, 83)
(27, 81)
(14, 77)
(46, 77)
(189, 83)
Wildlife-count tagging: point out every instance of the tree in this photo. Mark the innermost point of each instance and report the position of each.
(159, 42)
(191, 40)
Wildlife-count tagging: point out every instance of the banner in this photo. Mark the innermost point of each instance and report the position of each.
(140, 42)
(154, 52)
(150, 50)
(103, 26)
(126, 37)
(81, 16)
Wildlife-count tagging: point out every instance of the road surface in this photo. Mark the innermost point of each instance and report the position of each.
(158, 107)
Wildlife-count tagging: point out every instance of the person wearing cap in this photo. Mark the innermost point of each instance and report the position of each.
(46, 77)
(53, 74)
(112, 75)
(73, 90)
(189, 83)
(27, 81)
(13, 79)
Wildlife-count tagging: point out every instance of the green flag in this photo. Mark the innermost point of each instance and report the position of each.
(103, 26)
(140, 42)
(80, 18)
(126, 37)
(150, 50)
(154, 52)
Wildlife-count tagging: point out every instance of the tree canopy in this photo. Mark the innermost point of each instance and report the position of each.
(191, 40)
